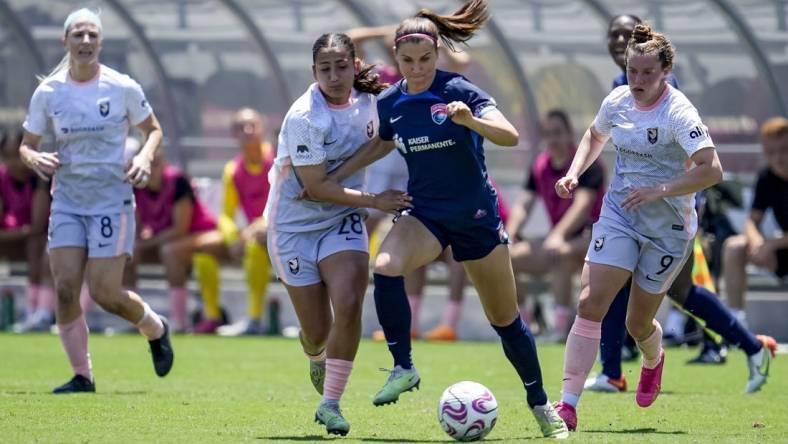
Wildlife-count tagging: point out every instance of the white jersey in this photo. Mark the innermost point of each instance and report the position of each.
(90, 121)
(653, 147)
(313, 133)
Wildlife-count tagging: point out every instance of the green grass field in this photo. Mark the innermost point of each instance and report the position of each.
(258, 390)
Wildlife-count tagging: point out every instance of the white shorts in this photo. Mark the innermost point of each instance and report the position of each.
(295, 256)
(654, 262)
(109, 235)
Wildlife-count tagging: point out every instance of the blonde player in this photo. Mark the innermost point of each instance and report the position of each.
(648, 219)
(90, 108)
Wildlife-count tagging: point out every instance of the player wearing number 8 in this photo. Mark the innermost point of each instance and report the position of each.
(90, 107)
(318, 245)
(648, 219)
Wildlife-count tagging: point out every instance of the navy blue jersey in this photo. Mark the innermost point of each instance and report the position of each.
(622, 80)
(445, 161)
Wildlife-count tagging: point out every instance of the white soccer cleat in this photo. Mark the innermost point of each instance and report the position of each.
(602, 383)
(759, 365)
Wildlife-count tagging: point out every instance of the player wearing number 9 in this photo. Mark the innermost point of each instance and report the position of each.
(318, 246)
(648, 220)
(90, 108)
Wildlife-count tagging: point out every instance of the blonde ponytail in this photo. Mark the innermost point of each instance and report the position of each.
(63, 65)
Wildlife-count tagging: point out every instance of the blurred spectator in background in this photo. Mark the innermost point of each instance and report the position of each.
(562, 252)
(24, 212)
(765, 250)
(169, 215)
(246, 186)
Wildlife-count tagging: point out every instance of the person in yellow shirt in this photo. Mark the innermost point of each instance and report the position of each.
(246, 188)
(245, 183)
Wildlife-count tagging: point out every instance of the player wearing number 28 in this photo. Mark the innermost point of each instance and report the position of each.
(318, 244)
(648, 220)
(89, 108)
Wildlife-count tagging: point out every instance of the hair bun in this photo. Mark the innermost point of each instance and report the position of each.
(642, 33)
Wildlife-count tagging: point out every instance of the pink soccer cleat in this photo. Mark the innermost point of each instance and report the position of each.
(568, 414)
(650, 383)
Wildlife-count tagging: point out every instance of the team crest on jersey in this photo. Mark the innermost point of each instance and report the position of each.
(653, 134)
(438, 113)
(599, 243)
(370, 129)
(103, 105)
(293, 265)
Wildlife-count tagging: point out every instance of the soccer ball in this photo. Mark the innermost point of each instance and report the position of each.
(467, 411)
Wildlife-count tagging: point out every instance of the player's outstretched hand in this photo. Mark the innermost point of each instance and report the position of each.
(459, 113)
(138, 171)
(641, 196)
(392, 201)
(44, 164)
(565, 186)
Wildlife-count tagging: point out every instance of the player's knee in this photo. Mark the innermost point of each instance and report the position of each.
(735, 247)
(502, 318)
(588, 307)
(104, 293)
(67, 292)
(638, 328)
(315, 337)
(167, 251)
(389, 265)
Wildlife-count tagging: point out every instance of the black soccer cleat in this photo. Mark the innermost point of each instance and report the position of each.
(711, 356)
(77, 384)
(161, 351)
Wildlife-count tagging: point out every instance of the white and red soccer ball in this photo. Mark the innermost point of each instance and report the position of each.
(467, 411)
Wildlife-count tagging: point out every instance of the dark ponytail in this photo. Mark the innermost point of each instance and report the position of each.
(367, 79)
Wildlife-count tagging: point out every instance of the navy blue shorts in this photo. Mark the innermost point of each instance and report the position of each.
(470, 238)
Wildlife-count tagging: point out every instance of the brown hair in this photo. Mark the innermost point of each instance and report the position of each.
(456, 28)
(366, 80)
(562, 116)
(10, 140)
(646, 41)
(774, 127)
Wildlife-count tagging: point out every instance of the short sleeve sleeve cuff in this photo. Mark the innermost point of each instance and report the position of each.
(304, 144)
(137, 105)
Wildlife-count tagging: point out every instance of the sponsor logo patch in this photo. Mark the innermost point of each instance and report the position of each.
(697, 132)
